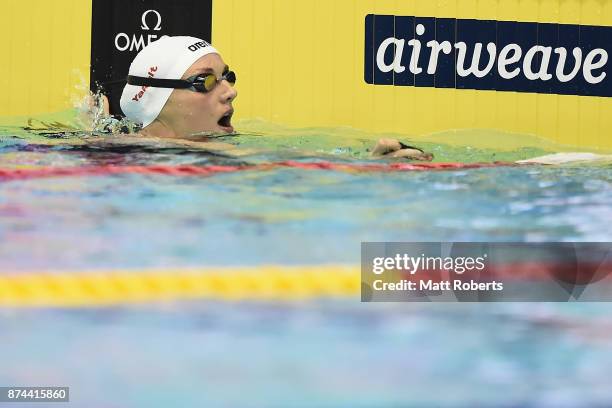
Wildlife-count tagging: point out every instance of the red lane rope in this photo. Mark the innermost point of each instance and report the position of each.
(583, 272)
(7, 174)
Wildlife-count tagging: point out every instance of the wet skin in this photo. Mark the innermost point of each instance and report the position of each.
(188, 114)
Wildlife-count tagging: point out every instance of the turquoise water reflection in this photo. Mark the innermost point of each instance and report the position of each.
(290, 216)
(324, 354)
(319, 354)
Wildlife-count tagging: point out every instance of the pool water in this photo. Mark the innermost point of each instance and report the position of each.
(327, 353)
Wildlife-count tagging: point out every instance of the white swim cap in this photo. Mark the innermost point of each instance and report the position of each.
(166, 58)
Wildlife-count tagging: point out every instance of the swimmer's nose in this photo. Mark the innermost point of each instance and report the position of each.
(229, 92)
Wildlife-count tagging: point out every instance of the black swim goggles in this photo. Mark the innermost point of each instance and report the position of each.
(198, 83)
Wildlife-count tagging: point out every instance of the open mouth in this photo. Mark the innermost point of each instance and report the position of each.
(226, 121)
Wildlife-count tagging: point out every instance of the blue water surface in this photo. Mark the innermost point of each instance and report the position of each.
(326, 353)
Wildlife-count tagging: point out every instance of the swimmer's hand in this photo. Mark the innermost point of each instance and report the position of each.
(395, 149)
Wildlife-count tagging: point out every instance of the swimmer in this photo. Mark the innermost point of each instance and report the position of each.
(179, 88)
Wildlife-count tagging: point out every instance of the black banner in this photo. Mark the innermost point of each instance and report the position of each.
(513, 56)
(121, 28)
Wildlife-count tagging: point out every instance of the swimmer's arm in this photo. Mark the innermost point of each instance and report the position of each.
(384, 148)
(222, 148)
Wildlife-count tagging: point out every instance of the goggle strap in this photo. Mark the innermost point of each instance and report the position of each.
(158, 82)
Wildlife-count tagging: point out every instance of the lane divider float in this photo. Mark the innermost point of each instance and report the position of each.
(10, 174)
(123, 287)
(249, 284)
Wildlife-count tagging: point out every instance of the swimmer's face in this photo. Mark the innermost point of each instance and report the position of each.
(189, 113)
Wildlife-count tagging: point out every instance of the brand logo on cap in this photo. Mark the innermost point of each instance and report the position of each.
(197, 46)
(142, 91)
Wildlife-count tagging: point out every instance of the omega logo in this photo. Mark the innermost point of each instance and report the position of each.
(144, 25)
(123, 42)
